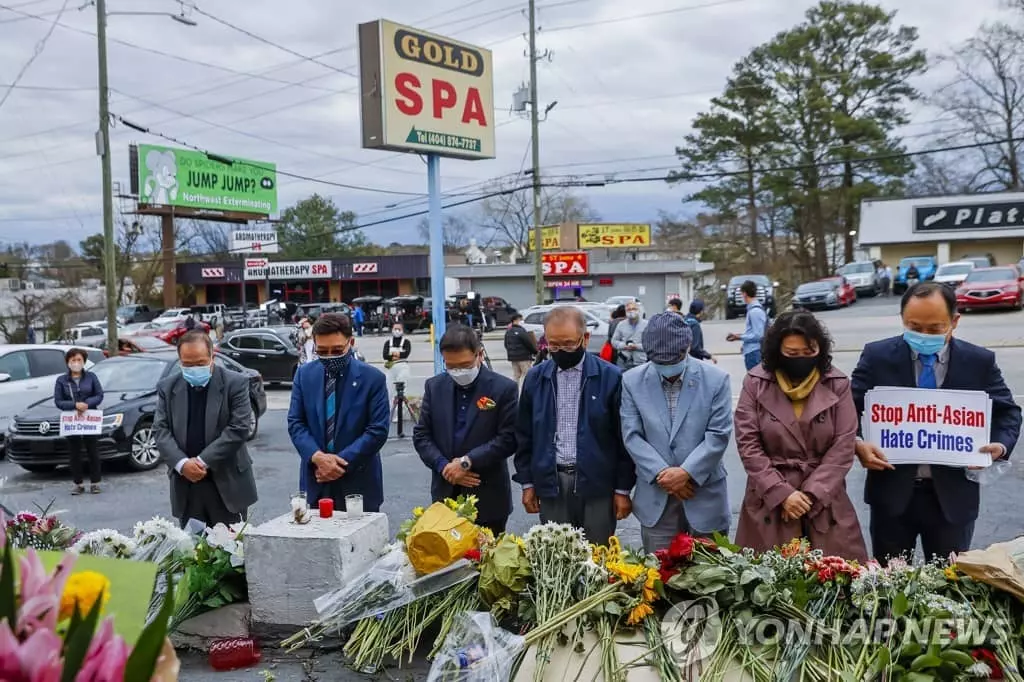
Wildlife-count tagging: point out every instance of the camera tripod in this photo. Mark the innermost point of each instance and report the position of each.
(399, 407)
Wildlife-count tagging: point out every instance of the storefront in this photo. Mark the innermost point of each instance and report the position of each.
(948, 228)
(312, 281)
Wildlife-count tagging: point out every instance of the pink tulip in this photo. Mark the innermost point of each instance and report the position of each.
(37, 659)
(41, 592)
(106, 658)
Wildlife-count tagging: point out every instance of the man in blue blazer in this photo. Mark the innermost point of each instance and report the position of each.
(676, 423)
(339, 419)
(939, 504)
(570, 458)
(467, 429)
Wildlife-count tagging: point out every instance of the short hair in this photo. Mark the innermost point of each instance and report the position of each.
(749, 288)
(75, 353)
(926, 289)
(676, 303)
(796, 322)
(196, 336)
(566, 313)
(619, 313)
(332, 323)
(517, 317)
(460, 337)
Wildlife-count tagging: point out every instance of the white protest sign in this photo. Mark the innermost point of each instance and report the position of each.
(929, 426)
(88, 423)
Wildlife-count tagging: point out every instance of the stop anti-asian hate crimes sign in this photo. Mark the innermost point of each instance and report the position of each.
(190, 179)
(425, 93)
(928, 426)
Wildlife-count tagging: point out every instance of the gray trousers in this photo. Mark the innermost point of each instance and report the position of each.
(595, 516)
(673, 521)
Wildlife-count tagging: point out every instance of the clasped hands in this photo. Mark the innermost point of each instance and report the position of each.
(194, 470)
(456, 475)
(328, 467)
(677, 482)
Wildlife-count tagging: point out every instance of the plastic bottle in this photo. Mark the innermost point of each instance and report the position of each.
(231, 654)
(989, 474)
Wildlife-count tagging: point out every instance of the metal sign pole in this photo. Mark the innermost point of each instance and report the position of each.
(436, 256)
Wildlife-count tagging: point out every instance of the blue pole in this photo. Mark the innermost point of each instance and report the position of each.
(437, 293)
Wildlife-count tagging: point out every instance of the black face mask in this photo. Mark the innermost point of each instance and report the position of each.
(567, 359)
(798, 369)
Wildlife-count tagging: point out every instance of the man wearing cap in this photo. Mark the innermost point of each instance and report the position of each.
(676, 424)
(693, 319)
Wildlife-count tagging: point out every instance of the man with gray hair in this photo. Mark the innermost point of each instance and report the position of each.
(628, 338)
(676, 424)
(570, 459)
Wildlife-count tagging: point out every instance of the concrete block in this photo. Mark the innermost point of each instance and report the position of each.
(288, 565)
(223, 623)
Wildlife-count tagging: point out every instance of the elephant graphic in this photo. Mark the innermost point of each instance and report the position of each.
(161, 185)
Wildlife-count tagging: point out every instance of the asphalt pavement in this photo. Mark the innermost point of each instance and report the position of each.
(130, 497)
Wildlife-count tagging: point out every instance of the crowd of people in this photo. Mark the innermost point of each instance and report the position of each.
(592, 442)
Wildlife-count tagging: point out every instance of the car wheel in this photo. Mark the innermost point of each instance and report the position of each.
(144, 454)
(39, 468)
(254, 422)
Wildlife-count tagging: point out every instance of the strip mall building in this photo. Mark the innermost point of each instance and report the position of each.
(948, 228)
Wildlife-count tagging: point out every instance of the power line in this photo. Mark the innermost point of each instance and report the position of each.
(46, 88)
(646, 15)
(37, 50)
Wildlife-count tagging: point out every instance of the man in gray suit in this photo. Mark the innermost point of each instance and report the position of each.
(201, 424)
(676, 424)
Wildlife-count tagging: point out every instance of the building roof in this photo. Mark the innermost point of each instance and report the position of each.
(623, 267)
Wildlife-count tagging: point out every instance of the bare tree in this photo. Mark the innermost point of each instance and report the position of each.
(210, 239)
(944, 175)
(457, 233)
(31, 308)
(507, 218)
(987, 96)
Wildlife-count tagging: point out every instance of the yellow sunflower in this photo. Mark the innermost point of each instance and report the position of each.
(627, 573)
(639, 612)
(83, 589)
(950, 573)
(650, 594)
(417, 512)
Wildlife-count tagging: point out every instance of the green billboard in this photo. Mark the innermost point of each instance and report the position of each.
(190, 179)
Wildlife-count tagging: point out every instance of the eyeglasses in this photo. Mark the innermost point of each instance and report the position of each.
(332, 351)
(567, 348)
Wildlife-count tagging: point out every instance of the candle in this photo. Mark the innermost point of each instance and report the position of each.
(326, 508)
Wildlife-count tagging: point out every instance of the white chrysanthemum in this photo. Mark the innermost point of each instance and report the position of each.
(979, 670)
(106, 543)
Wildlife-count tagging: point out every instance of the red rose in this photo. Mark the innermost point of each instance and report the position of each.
(473, 555)
(681, 547)
(665, 574)
(663, 557)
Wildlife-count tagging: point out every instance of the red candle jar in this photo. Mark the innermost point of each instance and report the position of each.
(326, 508)
(234, 653)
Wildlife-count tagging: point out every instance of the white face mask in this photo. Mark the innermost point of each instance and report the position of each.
(397, 333)
(76, 365)
(464, 377)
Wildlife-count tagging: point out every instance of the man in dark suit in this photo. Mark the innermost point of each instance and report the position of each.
(467, 429)
(200, 427)
(939, 504)
(339, 419)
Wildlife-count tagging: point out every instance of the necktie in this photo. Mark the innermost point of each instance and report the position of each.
(927, 377)
(332, 398)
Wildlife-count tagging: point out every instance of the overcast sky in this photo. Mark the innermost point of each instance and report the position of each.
(628, 79)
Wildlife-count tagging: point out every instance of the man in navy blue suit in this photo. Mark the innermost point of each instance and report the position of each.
(467, 429)
(339, 419)
(939, 504)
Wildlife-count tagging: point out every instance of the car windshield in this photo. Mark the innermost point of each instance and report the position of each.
(814, 286)
(919, 262)
(127, 310)
(149, 343)
(1001, 275)
(955, 269)
(129, 374)
(857, 269)
(740, 279)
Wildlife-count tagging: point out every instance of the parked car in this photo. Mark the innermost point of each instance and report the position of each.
(27, 373)
(129, 387)
(984, 260)
(129, 345)
(172, 314)
(823, 295)
(318, 309)
(926, 267)
(170, 331)
(734, 304)
(615, 301)
(209, 311)
(953, 274)
(863, 275)
(844, 290)
(135, 313)
(271, 351)
(986, 288)
(597, 324)
(412, 311)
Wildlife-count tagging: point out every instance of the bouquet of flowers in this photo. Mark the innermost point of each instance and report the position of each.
(105, 543)
(214, 576)
(43, 531)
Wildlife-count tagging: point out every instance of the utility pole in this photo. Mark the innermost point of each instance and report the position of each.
(103, 148)
(538, 241)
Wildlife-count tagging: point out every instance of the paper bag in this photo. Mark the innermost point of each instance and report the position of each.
(1001, 566)
(440, 538)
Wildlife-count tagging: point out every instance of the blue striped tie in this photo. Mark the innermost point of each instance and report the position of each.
(332, 398)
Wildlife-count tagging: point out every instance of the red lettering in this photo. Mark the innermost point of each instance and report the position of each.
(474, 110)
(407, 85)
(444, 97)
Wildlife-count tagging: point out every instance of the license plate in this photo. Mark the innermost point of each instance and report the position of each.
(41, 448)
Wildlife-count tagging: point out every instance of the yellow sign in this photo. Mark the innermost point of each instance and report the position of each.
(614, 236)
(552, 237)
(425, 93)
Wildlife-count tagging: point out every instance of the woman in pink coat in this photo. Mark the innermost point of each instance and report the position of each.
(795, 431)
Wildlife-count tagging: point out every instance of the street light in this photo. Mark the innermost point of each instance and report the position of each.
(103, 149)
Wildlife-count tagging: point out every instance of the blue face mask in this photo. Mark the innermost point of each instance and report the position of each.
(924, 344)
(197, 376)
(673, 370)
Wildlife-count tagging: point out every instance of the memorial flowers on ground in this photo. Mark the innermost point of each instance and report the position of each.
(42, 531)
(214, 575)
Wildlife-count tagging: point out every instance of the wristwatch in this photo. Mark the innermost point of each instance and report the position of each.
(465, 463)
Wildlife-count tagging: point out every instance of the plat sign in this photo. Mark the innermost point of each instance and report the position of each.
(565, 264)
(425, 93)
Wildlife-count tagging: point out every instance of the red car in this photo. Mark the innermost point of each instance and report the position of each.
(999, 287)
(846, 292)
(170, 332)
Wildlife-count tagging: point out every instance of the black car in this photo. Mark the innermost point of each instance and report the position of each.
(318, 309)
(734, 303)
(816, 296)
(129, 403)
(271, 351)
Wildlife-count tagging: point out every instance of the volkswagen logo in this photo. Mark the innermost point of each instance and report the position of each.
(44, 428)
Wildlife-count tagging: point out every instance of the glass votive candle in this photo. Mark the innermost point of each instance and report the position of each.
(354, 505)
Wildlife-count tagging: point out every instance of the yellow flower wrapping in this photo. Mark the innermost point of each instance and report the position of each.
(440, 538)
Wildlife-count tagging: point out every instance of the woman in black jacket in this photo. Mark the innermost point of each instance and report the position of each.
(78, 391)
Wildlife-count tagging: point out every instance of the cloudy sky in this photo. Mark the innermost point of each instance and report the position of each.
(628, 79)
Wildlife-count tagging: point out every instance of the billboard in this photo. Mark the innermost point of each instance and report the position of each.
(188, 179)
(571, 264)
(614, 236)
(551, 236)
(254, 241)
(425, 93)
